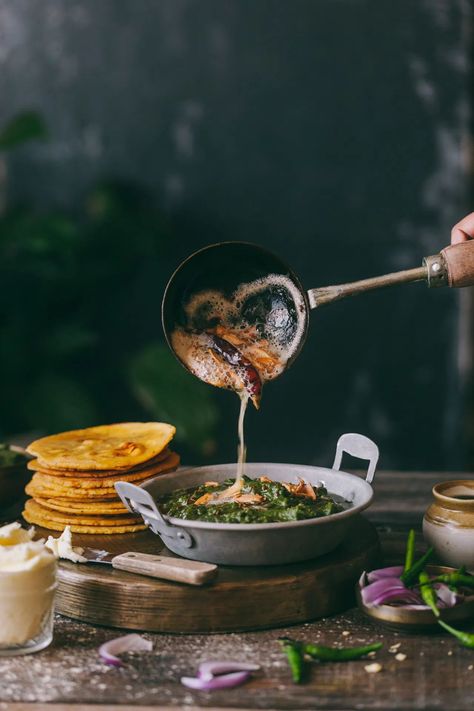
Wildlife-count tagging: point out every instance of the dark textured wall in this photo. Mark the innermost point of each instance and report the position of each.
(330, 131)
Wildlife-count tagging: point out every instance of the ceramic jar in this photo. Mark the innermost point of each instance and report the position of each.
(448, 524)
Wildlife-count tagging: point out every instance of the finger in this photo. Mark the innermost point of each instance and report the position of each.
(458, 235)
(463, 230)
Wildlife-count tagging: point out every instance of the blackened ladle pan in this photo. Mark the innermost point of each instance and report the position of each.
(281, 304)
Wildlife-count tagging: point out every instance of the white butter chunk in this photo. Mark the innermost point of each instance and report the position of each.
(12, 534)
(62, 547)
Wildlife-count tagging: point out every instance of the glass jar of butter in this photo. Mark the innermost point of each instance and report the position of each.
(28, 581)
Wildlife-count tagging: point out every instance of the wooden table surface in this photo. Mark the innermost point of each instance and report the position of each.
(437, 673)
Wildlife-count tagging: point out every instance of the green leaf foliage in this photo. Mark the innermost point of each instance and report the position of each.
(172, 394)
(79, 294)
(60, 403)
(24, 127)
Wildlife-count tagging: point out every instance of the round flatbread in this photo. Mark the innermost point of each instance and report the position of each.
(48, 481)
(33, 508)
(32, 489)
(37, 466)
(119, 446)
(106, 508)
(77, 528)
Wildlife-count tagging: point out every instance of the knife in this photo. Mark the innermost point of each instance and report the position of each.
(191, 572)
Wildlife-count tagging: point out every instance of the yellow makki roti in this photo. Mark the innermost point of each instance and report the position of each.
(75, 473)
(119, 446)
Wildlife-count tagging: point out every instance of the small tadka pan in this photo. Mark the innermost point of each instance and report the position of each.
(283, 305)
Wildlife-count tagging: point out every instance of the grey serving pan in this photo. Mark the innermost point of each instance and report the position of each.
(258, 543)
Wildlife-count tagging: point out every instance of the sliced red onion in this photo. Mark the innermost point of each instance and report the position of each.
(383, 585)
(388, 590)
(207, 670)
(128, 643)
(447, 597)
(223, 681)
(401, 596)
(393, 571)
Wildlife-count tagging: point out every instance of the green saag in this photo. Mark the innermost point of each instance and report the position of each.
(278, 504)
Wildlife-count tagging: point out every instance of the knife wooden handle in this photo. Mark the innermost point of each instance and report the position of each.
(180, 570)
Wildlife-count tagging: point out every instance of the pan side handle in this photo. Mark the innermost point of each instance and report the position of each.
(359, 446)
(138, 500)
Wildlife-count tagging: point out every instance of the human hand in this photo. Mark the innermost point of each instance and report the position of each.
(463, 230)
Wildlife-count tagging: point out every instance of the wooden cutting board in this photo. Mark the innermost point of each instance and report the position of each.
(241, 598)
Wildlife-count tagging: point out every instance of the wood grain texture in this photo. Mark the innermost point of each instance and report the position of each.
(179, 570)
(438, 673)
(460, 262)
(434, 677)
(240, 599)
(85, 707)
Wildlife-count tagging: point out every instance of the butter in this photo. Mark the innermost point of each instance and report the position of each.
(13, 533)
(27, 586)
(62, 547)
(24, 557)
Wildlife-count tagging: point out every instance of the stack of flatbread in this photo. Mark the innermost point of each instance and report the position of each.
(75, 473)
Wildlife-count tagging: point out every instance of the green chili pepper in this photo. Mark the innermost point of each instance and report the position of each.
(466, 639)
(457, 580)
(460, 571)
(295, 655)
(427, 592)
(409, 576)
(339, 654)
(410, 551)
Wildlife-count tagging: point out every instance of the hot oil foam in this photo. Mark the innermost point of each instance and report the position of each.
(227, 313)
(193, 350)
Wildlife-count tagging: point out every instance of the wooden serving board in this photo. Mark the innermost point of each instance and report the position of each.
(241, 598)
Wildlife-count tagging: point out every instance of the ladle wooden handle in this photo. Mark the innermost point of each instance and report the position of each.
(454, 267)
(459, 260)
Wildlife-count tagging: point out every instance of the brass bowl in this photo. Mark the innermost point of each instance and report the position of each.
(406, 620)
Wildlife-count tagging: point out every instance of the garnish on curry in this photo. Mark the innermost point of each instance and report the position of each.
(257, 501)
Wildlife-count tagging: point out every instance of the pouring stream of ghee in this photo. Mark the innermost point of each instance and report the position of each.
(242, 450)
(235, 489)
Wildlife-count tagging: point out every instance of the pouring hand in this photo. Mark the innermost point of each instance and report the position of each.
(463, 230)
